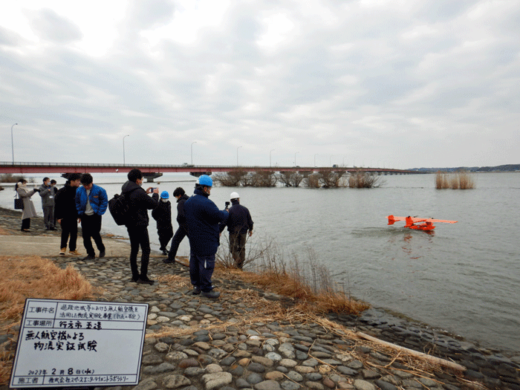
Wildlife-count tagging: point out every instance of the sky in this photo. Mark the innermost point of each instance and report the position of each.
(395, 84)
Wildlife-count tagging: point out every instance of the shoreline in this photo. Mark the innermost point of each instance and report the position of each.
(486, 365)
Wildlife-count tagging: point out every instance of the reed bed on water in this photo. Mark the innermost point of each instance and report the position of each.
(459, 180)
(33, 277)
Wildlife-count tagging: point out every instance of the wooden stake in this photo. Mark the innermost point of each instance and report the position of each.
(432, 359)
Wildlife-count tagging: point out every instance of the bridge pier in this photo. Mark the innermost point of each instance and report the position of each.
(198, 174)
(152, 175)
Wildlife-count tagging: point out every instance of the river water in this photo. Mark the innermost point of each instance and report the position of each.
(464, 278)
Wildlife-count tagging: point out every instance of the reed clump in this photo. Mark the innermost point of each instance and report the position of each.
(333, 179)
(290, 179)
(33, 277)
(232, 178)
(458, 180)
(261, 178)
(441, 180)
(10, 178)
(313, 180)
(362, 179)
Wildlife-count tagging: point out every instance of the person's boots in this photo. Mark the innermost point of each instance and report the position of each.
(144, 280)
(63, 251)
(211, 294)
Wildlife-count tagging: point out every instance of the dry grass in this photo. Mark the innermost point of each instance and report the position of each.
(361, 179)
(33, 277)
(441, 180)
(458, 180)
(261, 178)
(232, 178)
(306, 280)
(466, 181)
(290, 179)
(175, 281)
(10, 178)
(313, 180)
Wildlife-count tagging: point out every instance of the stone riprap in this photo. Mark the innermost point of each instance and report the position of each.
(197, 343)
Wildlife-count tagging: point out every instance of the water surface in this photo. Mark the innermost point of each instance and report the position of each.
(465, 278)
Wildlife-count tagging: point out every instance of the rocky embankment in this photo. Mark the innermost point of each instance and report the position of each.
(252, 339)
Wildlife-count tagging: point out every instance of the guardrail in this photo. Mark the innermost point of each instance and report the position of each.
(126, 166)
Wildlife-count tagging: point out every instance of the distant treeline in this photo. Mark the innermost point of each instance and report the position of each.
(498, 168)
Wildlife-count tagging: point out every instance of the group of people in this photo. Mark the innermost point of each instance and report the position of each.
(67, 207)
(47, 192)
(199, 219)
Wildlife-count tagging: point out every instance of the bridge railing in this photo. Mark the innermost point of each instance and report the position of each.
(159, 166)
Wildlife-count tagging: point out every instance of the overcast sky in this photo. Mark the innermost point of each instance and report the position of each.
(401, 83)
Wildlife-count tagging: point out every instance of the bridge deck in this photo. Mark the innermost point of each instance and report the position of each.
(29, 167)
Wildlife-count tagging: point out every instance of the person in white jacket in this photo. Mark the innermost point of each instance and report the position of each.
(28, 207)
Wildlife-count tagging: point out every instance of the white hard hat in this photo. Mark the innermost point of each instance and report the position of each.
(234, 195)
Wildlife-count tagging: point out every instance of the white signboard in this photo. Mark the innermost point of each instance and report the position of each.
(79, 343)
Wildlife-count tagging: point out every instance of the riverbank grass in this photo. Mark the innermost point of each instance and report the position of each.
(302, 278)
(33, 277)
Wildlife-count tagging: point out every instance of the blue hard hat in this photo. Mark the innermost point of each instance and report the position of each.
(205, 180)
(165, 195)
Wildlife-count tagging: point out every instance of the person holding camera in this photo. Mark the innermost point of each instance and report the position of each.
(203, 218)
(182, 231)
(137, 222)
(47, 195)
(28, 207)
(91, 203)
(239, 224)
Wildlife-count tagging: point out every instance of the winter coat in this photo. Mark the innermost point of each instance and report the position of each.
(65, 205)
(239, 220)
(47, 194)
(181, 216)
(203, 218)
(140, 203)
(163, 215)
(28, 207)
(97, 197)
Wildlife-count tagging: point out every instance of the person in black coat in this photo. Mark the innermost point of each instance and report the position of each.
(182, 231)
(163, 215)
(137, 224)
(67, 215)
(239, 224)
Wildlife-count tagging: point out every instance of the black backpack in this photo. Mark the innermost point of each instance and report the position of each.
(119, 207)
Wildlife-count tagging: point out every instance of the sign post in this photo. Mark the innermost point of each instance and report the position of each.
(79, 343)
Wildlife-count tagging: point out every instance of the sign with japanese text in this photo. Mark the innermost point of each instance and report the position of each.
(79, 343)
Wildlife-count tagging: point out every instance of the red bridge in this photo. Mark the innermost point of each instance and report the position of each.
(151, 171)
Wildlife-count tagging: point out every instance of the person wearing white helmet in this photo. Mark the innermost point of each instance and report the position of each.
(239, 225)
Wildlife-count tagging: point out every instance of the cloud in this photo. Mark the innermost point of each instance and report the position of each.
(363, 81)
(53, 27)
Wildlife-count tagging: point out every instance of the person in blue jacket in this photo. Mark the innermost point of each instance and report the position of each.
(91, 203)
(203, 218)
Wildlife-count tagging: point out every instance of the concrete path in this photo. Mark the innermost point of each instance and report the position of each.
(49, 246)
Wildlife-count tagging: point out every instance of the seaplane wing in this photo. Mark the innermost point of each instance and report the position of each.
(392, 220)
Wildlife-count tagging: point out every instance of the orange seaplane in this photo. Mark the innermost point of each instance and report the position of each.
(425, 224)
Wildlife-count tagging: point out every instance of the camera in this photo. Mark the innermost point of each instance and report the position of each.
(227, 205)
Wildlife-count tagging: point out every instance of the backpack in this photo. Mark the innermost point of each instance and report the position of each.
(119, 207)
